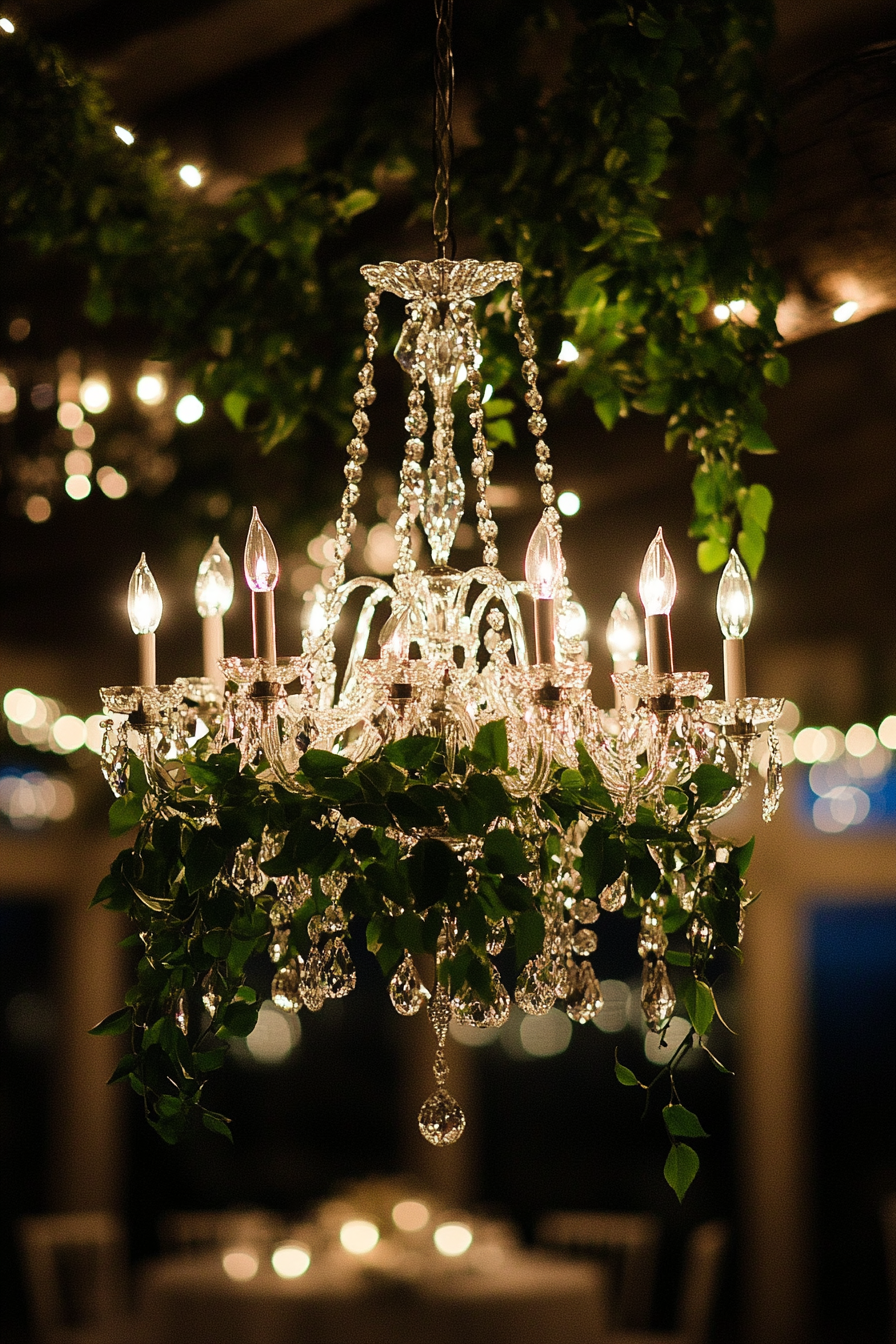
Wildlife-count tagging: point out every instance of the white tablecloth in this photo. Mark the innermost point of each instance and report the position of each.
(527, 1298)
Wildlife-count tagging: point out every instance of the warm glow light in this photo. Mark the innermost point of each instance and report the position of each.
(487, 393)
(21, 706)
(78, 463)
(568, 353)
(734, 601)
(274, 1036)
(290, 1260)
(144, 600)
(124, 134)
(7, 25)
(860, 740)
(409, 1215)
(845, 311)
(69, 415)
(544, 561)
(394, 638)
(69, 732)
(623, 631)
(78, 487)
(722, 312)
(94, 394)
(8, 396)
(544, 1037)
(737, 305)
(112, 483)
(658, 584)
(569, 503)
(452, 1238)
(572, 621)
(191, 175)
(359, 1236)
(809, 745)
(240, 1265)
(214, 582)
(790, 717)
(887, 732)
(93, 733)
(260, 562)
(151, 389)
(189, 409)
(37, 508)
(84, 436)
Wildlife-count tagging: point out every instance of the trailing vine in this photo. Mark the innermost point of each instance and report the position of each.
(371, 845)
(630, 190)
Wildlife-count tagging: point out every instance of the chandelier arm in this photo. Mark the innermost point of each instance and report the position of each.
(380, 592)
(272, 746)
(442, 132)
(503, 591)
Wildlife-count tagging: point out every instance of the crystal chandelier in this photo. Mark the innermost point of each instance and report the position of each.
(454, 787)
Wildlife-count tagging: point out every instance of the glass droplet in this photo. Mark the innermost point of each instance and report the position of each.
(657, 994)
(314, 981)
(585, 942)
(613, 897)
(440, 1011)
(585, 910)
(286, 990)
(534, 991)
(334, 920)
(652, 940)
(279, 944)
(441, 1120)
(700, 933)
(406, 990)
(340, 970)
(210, 996)
(585, 1001)
(469, 1008)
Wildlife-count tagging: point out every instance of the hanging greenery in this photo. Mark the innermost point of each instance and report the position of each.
(630, 189)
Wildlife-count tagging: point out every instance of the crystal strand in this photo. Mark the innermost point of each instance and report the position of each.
(411, 471)
(441, 1120)
(774, 779)
(353, 470)
(483, 461)
(537, 422)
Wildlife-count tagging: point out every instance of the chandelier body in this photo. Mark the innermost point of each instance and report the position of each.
(455, 788)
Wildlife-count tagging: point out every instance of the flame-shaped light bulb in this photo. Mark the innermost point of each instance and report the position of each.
(260, 562)
(544, 561)
(144, 600)
(734, 603)
(623, 631)
(658, 584)
(395, 636)
(214, 582)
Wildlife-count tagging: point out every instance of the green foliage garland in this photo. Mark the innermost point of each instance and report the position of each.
(630, 190)
(387, 827)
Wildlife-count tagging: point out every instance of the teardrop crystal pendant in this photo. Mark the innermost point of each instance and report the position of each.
(534, 990)
(441, 1120)
(314, 981)
(340, 970)
(774, 780)
(279, 944)
(585, 1001)
(469, 1008)
(286, 986)
(585, 910)
(407, 992)
(613, 897)
(657, 994)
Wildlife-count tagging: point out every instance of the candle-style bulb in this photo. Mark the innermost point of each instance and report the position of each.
(214, 582)
(544, 561)
(260, 562)
(395, 636)
(623, 631)
(658, 584)
(144, 600)
(734, 602)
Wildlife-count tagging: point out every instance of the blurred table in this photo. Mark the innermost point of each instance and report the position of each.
(521, 1297)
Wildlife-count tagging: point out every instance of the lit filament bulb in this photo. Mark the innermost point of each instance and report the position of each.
(214, 582)
(145, 613)
(262, 570)
(623, 632)
(657, 587)
(214, 595)
(734, 607)
(544, 572)
(395, 636)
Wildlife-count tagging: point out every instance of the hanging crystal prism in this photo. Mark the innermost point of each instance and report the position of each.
(406, 990)
(774, 779)
(286, 986)
(657, 994)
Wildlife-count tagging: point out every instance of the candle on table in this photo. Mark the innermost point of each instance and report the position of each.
(657, 588)
(734, 608)
(262, 569)
(214, 595)
(145, 613)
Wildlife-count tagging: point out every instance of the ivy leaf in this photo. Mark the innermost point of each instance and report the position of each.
(218, 1124)
(751, 544)
(489, 751)
(682, 1123)
(238, 1019)
(528, 935)
(755, 440)
(322, 764)
(777, 370)
(125, 813)
(355, 203)
(203, 860)
(409, 753)
(681, 1167)
(710, 784)
(125, 1065)
(209, 1060)
(625, 1075)
(699, 1005)
(503, 852)
(435, 874)
(591, 864)
(711, 555)
(114, 1024)
(742, 855)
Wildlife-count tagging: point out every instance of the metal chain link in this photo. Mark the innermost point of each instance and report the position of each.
(442, 134)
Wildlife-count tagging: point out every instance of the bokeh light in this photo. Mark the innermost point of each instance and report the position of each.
(452, 1239)
(290, 1260)
(359, 1236)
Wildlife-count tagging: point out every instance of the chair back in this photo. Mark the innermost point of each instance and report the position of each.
(704, 1254)
(625, 1243)
(75, 1271)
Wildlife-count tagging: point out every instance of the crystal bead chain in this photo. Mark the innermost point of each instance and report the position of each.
(411, 470)
(537, 422)
(353, 471)
(483, 461)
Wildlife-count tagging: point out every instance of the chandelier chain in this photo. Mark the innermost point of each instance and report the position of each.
(442, 133)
